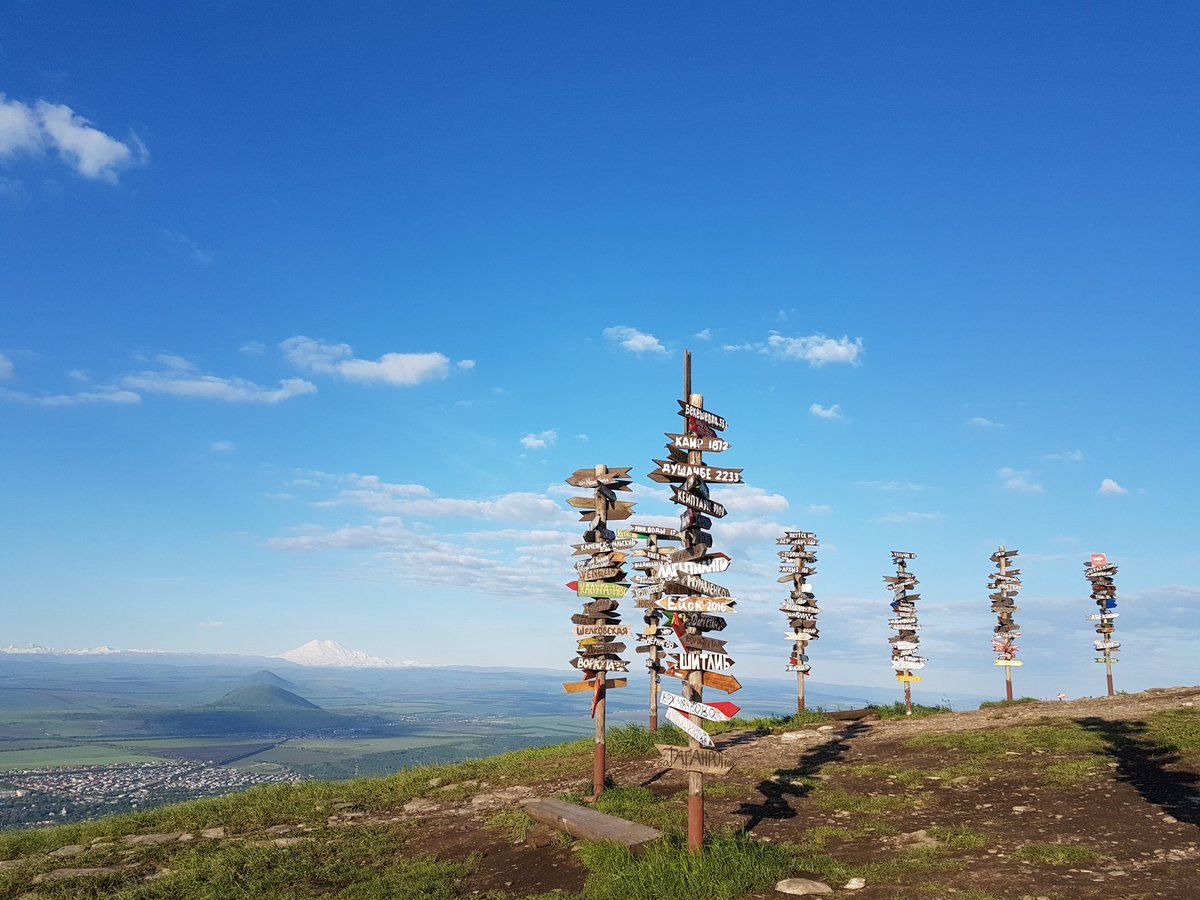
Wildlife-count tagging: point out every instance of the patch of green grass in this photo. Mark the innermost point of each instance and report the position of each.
(996, 742)
(771, 724)
(1175, 729)
(638, 804)
(632, 739)
(904, 865)
(992, 704)
(715, 789)
(1055, 854)
(959, 837)
(945, 890)
(816, 838)
(846, 801)
(908, 777)
(731, 866)
(919, 711)
(511, 820)
(1073, 771)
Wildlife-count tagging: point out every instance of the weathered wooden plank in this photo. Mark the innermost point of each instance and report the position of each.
(696, 502)
(695, 759)
(590, 824)
(696, 442)
(577, 687)
(710, 474)
(702, 415)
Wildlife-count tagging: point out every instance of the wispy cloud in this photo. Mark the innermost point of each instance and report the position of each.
(6, 367)
(539, 440)
(815, 349)
(703, 335)
(222, 446)
(33, 129)
(326, 358)
(749, 500)
(1108, 486)
(822, 412)
(981, 422)
(633, 340)
(180, 378)
(819, 509)
(1068, 456)
(101, 394)
(1019, 482)
(904, 518)
(189, 247)
(889, 485)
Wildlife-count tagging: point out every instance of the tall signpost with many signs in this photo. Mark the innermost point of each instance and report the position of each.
(904, 621)
(1004, 585)
(600, 581)
(796, 564)
(647, 591)
(694, 604)
(1099, 571)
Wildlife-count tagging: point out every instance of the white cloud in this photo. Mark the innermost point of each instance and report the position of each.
(89, 151)
(179, 378)
(634, 340)
(704, 335)
(1108, 486)
(814, 349)
(221, 446)
(323, 357)
(6, 367)
(1068, 456)
(539, 440)
(582, 437)
(106, 394)
(748, 500)
(819, 508)
(832, 412)
(466, 363)
(188, 246)
(905, 518)
(981, 422)
(253, 348)
(1018, 481)
(890, 485)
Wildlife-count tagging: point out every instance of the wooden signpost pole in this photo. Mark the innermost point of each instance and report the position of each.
(600, 582)
(690, 599)
(1004, 585)
(1099, 571)
(801, 608)
(904, 642)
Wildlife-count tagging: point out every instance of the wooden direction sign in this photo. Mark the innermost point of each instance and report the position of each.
(600, 665)
(706, 623)
(616, 512)
(806, 555)
(699, 642)
(711, 474)
(712, 564)
(700, 585)
(588, 477)
(605, 546)
(902, 554)
(1106, 659)
(599, 606)
(704, 660)
(702, 415)
(1104, 616)
(798, 537)
(601, 649)
(904, 664)
(689, 518)
(1003, 554)
(688, 727)
(602, 630)
(656, 530)
(800, 568)
(696, 502)
(695, 604)
(714, 712)
(598, 588)
(695, 759)
(1007, 662)
(802, 668)
(902, 676)
(696, 442)
(600, 573)
(576, 687)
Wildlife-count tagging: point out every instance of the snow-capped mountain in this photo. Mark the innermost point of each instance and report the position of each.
(331, 653)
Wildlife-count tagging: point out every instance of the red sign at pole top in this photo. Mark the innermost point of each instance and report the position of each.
(1099, 559)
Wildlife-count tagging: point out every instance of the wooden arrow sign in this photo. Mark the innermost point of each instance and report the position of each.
(1003, 554)
(706, 622)
(695, 759)
(702, 415)
(602, 649)
(699, 585)
(709, 474)
(601, 573)
(598, 589)
(688, 727)
(689, 518)
(656, 530)
(599, 606)
(902, 554)
(714, 712)
(602, 630)
(703, 660)
(575, 687)
(588, 477)
(713, 564)
(695, 604)
(1007, 662)
(696, 442)
(698, 642)
(600, 665)
(616, 511)
(696, 502)
(604, 546)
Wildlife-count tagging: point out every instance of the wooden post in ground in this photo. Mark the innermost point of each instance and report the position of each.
(796, 563)
(695, 682)
(904, 609)
(1005, 585)
(1099, 571)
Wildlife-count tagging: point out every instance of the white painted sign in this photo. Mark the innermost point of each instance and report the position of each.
(704, 660)
(695, 604)
(703, 710)
(688, 727)
(589, 630)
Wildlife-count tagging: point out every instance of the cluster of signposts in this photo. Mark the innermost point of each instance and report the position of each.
(904, 621)
(796, 563)
(656, 636)
(1004, 585)
(601, 582)
(1099, 571)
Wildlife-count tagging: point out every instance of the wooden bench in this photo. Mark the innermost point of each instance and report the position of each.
(590, 824)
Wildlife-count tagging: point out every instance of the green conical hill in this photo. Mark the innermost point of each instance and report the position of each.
(254, 697)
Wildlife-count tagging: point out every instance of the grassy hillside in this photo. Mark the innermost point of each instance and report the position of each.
(1090, 799)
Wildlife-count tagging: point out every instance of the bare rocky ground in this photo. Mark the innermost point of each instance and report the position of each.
(1125, 812)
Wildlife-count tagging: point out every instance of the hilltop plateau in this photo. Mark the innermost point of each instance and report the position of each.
(1084, 799)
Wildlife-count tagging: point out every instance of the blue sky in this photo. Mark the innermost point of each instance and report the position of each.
(306, 311)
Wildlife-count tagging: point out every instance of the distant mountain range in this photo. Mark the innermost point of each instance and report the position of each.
(328, 654)
(331, 653)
